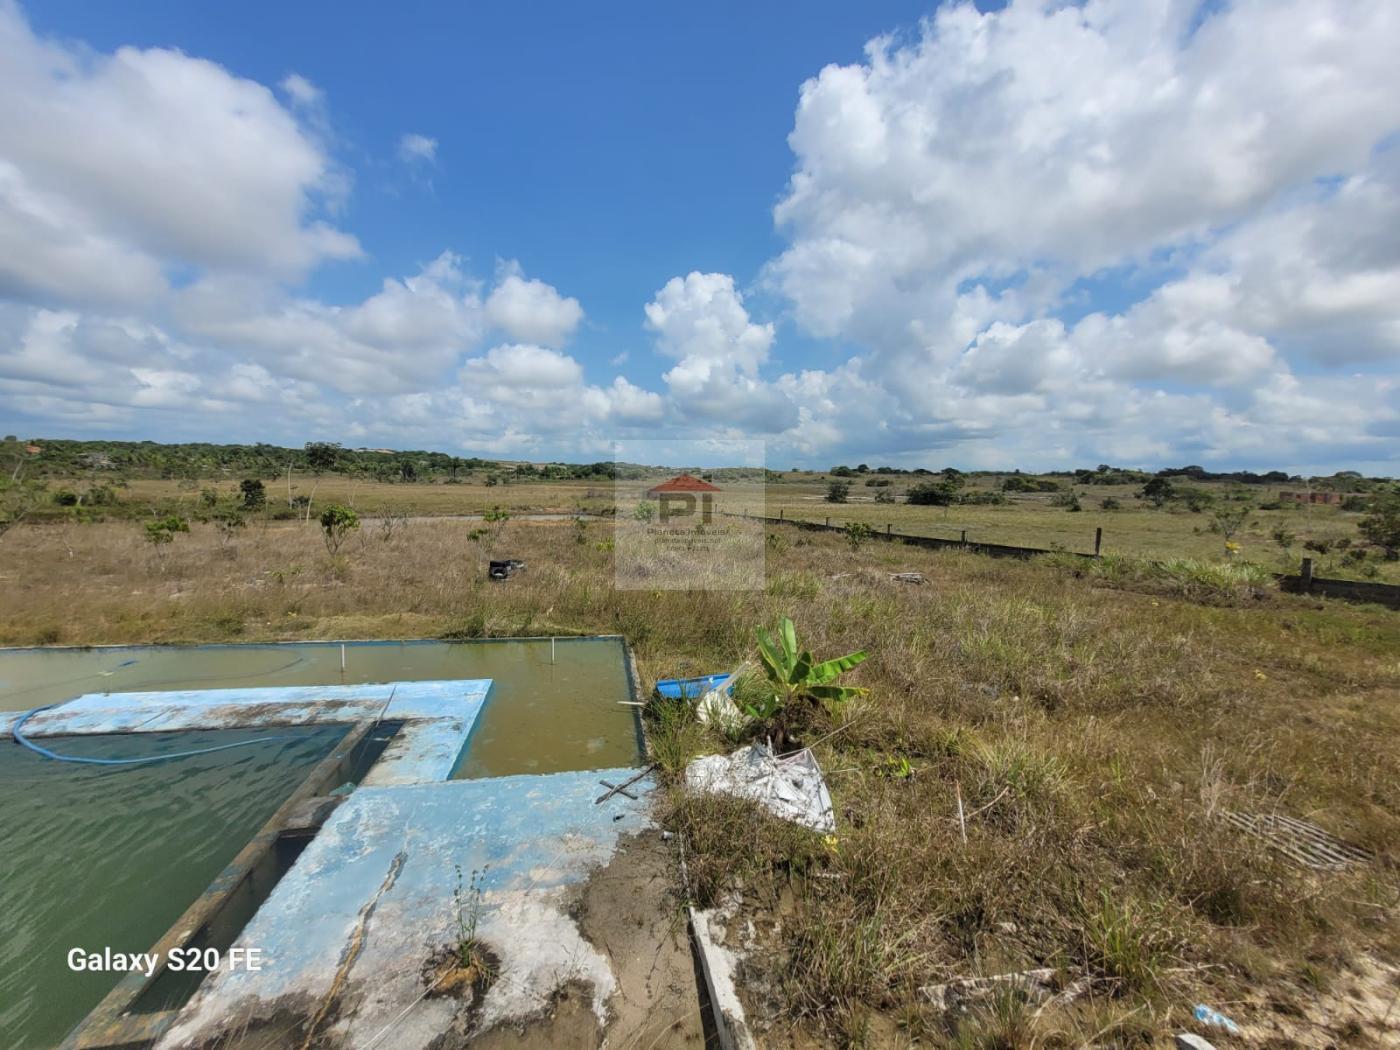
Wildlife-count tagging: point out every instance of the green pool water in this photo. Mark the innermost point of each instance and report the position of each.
(555, 706)
(97, 857)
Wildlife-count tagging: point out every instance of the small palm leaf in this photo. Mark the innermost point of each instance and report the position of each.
(836, 694)
(789, 633)
(829, 669)
(773, 663)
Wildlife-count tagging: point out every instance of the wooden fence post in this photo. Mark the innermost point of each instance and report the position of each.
(1098, 540)
(828, 521)
(888, 526)
(1307, 574)
(964, 536)
(781, 512)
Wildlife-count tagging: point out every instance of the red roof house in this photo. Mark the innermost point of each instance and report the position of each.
(681, 483)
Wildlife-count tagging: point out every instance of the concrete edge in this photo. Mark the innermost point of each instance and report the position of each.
(717, 967)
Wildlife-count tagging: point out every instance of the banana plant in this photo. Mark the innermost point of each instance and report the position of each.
(797, 680)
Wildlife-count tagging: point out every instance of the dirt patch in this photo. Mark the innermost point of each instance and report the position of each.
(567, 1024)
(632, 911)
(1360, 1008)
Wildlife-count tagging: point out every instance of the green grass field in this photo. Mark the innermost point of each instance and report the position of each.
(1136, 529)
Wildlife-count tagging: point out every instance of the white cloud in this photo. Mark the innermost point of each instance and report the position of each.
(702, 316)
(700, 320)
(417, 149)
(530, 310)
(952, 191)
(117, 168)
(1127, 230)
(403, 337)
(301, 91)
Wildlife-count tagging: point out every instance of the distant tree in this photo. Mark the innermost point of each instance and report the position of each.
(1158, 491)
(842, 471)
(160, 533)
(1381, 525)
(838, 492)
(337, 522)
(228, 520)
(1228, 520)
(17, 499)
(321, 458)
(254, 494)
(935, 493)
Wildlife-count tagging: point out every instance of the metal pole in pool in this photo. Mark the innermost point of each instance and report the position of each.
(551, 650)
(342, 657)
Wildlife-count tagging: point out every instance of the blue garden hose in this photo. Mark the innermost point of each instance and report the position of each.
(24, 741)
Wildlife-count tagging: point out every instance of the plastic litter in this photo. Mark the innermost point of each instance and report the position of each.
(1207, 1016)
(504, 569)
(691, 688)
(791, 787)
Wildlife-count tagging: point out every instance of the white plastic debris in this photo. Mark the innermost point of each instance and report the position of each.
(1190, 1041)
(1037, 986)
(717, 707)
(790, 787)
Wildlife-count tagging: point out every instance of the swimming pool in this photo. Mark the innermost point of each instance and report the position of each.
(558, 705)
(112, 856)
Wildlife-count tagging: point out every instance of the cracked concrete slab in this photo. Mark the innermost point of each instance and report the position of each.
(531, 841)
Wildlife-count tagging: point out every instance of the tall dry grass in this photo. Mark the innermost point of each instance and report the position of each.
(1090, 730)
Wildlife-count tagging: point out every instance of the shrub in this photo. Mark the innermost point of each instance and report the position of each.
(838, 492)
(1158, 491)
(1381, 526)
(857, 532)
(337, 522)
(1021, 483)
(934, 493)
(162, 530)
(254, 494)
(884, 496)
(1110, 503)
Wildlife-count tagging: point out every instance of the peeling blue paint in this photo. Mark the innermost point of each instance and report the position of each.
(530, 839)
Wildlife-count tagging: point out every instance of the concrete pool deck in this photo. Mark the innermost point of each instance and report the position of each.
(349, 932)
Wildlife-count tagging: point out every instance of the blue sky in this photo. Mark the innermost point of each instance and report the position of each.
(608, 149)
(1037, 236)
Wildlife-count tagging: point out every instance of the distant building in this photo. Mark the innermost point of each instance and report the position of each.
(681, 483)
(1325, 497)
(33, 450)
